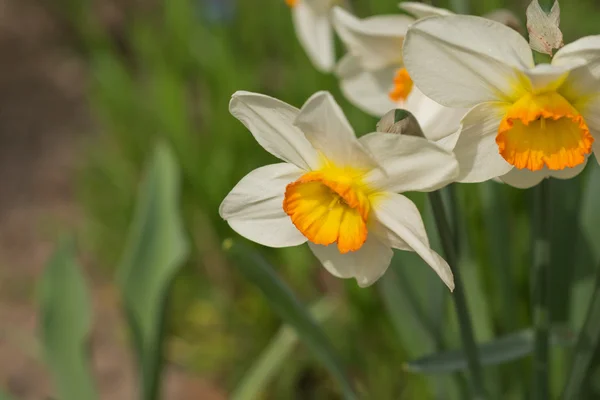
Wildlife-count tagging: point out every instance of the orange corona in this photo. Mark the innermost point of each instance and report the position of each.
(330, 206)
(543, 130)
(403, 85)
(291, 3)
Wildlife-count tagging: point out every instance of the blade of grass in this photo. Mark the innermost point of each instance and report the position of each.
(498, 351)
(65, 311)
(540, 286)
(283, 301)
(587, 343)
(460, 302)
(276, 354)
(496, 218)
(156, 248)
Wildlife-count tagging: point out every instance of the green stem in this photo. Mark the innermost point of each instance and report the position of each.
(587, 343)
(460, 302)
(541, 283)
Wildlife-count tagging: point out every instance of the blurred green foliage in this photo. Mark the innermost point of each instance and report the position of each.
(168, 72)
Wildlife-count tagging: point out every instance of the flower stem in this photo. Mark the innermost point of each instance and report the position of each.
(540, 285)
(460, 301)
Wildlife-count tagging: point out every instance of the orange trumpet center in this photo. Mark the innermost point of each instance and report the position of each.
(403, 85)
(330, 206)
(291, 3)
(543, 130)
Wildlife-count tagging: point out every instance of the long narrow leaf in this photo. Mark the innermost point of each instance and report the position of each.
(65, 324)
(283, 301)
(277, 353)
(587, 344)
(505, 349)
(155, 250)
(497, 229)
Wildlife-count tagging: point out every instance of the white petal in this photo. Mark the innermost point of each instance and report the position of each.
(569, 173)
(581, 87)
(409, 163)
(448, 143)
(476, 149)
(254, 207)
(523, 178)
(546, 77)
(327, 129)
(421, 10)
(315, 34)
(583, 51)
(436, 120)
(460, 61)
(271, 122)
(402, 219)
(366, 265)
(367, 90)
(591, 114)
(376, 41)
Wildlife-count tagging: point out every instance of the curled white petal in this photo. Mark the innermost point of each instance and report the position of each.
(367, 90)
(254, 207)
(366, 265)
(315, 34)
(271, 122)
(420, 10)
(584, 51)
(375, 41)
(437, 121)
(402, 219)
(476, 149)
(460, 61)
(408, 163)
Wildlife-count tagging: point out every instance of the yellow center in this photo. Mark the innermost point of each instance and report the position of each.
(291, 3)
(543, 130)
(330, 206)
(402, 86)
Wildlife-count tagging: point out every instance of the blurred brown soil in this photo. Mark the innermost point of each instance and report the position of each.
(44, 121)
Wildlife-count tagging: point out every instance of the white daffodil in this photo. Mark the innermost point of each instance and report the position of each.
(527, 122)
(372, 75)
(333, 190)
(313, 28)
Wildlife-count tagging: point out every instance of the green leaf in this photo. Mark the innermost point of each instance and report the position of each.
(65, 324)
(156, 248)
(276, 354)
(283, 301)
(587, 344)
(502, 350)
(590, 212)
(496, 214)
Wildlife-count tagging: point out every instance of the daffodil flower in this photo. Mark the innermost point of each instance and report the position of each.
(372, 74)
(313, 28)
(333, 190)
(526, 122)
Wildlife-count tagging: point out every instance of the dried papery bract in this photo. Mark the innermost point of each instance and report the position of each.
(401, 122)
(544, 31)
